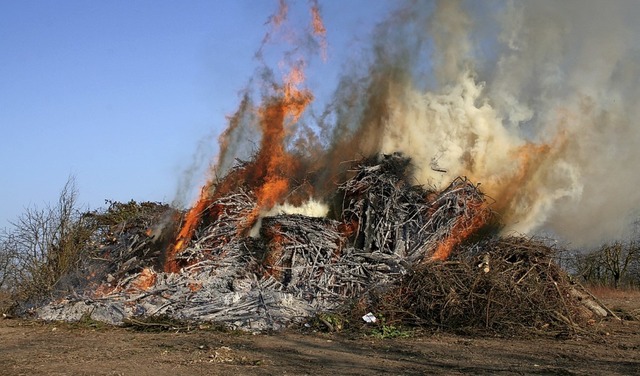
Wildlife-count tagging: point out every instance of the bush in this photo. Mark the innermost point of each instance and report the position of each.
(44, 245)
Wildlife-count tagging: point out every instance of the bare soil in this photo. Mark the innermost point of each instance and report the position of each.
(35, 348)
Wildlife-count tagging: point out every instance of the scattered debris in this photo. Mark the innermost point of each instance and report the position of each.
(369, 318)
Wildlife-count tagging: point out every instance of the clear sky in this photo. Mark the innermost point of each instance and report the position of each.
(119, 93)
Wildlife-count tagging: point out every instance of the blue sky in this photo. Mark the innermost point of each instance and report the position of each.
(120, 93)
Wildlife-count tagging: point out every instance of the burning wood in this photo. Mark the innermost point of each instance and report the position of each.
(395, 217)
(224, 222)
(383, 230)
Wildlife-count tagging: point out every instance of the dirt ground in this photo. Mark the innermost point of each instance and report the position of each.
(34, 348)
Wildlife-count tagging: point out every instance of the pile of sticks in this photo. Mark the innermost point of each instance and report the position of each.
(308, 258)
(223, 221)
(501, 285)
(380, 246)
(298, 248)
(128, 237)
(394, 217)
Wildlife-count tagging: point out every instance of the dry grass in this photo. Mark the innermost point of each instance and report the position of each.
(607, 292)
(6, 301)
(623, 301)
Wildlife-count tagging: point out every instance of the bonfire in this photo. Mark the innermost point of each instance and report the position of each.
(302, 227)
(385, 239)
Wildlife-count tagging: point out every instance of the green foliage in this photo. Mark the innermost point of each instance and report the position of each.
(328, 322)
(118, 213)
(332, 321)
(385, 330)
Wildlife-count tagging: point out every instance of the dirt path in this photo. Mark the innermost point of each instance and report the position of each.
(28, 348)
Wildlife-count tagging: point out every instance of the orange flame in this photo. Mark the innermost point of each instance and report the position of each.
(145, 280)
(531, 158)
(268, 175)
(318, 28)
(191, 221)
(194, 286)
(270, 172)
(508, 189)
(274, 166)
(281, 15)
(464, 227)
(273, 261)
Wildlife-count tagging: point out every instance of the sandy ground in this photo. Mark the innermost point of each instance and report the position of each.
(34, 348)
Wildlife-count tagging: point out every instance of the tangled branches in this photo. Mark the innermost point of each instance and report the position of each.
(501, 285)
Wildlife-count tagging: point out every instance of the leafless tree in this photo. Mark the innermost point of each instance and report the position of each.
(6, 260)
(614, 264)
(43, 245)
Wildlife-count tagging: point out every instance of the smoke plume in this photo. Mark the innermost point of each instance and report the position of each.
(534, 100)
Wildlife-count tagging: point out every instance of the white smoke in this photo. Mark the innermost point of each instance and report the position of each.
(309, 208)
(535, 100)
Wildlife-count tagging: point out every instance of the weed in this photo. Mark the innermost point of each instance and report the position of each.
(388, 331)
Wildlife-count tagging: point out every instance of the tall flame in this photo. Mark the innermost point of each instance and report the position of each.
(318, 28)
(464, 227)
(191, 221)
(268, 174)
(273, 165)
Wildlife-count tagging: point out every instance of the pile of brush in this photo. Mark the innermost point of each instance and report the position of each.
(386, 243)
(500, 285)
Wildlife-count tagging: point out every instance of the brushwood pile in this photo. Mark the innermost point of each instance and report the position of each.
(418, 255)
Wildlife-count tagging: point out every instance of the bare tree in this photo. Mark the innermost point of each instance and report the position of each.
(44, 244)
(6, 261)
(613, 264)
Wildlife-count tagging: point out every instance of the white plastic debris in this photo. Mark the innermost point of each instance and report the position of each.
(369, 318)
